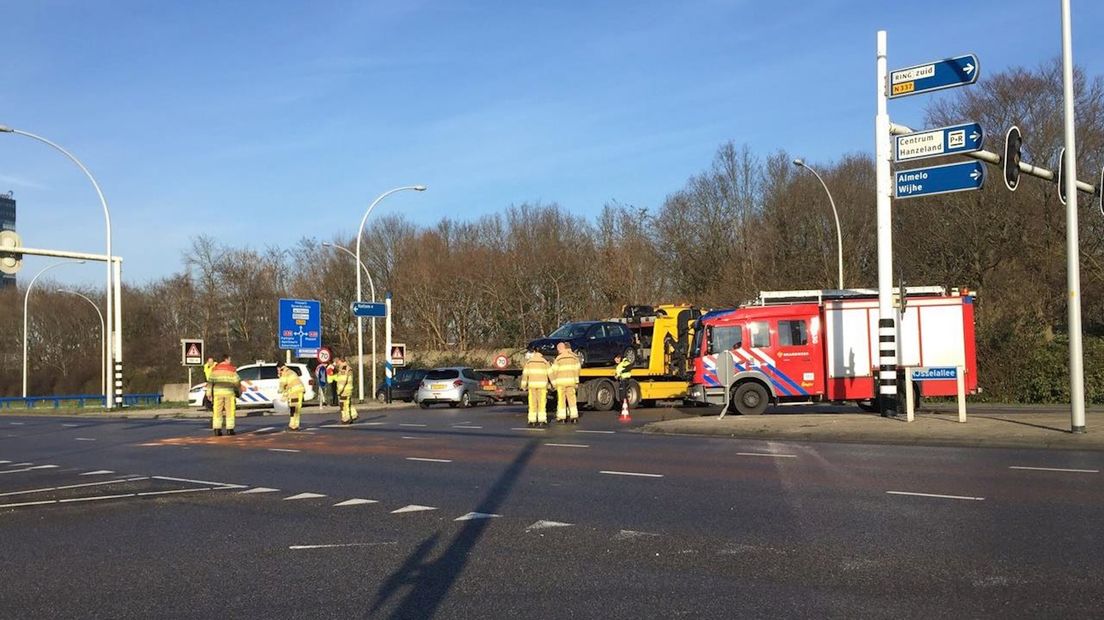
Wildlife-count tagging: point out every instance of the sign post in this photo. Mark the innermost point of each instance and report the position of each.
(388, 368)
(935, 373)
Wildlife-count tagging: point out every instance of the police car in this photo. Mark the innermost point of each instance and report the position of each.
(260, 385)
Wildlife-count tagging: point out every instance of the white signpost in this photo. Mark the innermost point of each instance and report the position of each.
(935, 373)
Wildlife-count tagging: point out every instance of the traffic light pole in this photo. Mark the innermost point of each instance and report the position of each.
(1073, 252)
(887, 330)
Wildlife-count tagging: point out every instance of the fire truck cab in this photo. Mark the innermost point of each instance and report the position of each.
(800, 347)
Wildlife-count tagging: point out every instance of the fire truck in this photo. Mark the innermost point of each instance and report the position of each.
(802, 347)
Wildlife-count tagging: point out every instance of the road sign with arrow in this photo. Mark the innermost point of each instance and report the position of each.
(965, 138)
(937, 75)
(917, 182)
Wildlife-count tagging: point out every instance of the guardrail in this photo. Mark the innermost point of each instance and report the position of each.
(79, 400)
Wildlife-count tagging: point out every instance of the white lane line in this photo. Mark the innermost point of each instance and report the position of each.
(472, 516)
(16, 423)
(412, 508)
(263, 430)
(540, 525)
(630, 473)
(776, 456)
(20, 464)
(4, 462)
(566, 445)
(174, 491)
(415, 425)
(16, 471)
(335, 546)
(1075, 471)
(630, 534)
(71, 425)
(597, 432)
(259, 490)
(42, 503)
(73, 486)
(407, 437)
(98, 472)
(966, 497)
(93, 498)
(527, 428)
(202, 482)
(282, 450)
(465, 426)
(305, 496)
(85, 439)
(425, 460)
(356, 502)
(374, 423)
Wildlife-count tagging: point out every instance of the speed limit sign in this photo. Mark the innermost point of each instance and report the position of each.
(325, 355)
(501, 361)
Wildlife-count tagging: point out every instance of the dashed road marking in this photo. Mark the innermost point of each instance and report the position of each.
(426, 460)
(567, 445)
(16, 423)
(630, 534)
(466, 426)
(260, 490)
(305, 496)
(356, 502)
(1075, 471)
(630, 473)
(71, 425)
(264, 430)
(527, 428)
(4, 462)
(338, 545)
(74, 486)
(98, 472)
(597, 432)
(16, 471)
(412, 508)
(540, 525)
(767, 454)
(175, 491)
(407, 437)
(203, 482)
(282, 450)
(85, 438)
(936, 495)
(472, 516)
(415, 425)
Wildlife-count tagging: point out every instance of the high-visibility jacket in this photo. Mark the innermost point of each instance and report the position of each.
(290, 385)
(565, 370)
(344, 383)
(623, 370)
(207, 368)
(224, 380)
(535, 372)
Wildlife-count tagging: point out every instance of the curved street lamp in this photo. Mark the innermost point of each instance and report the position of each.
(103, 331)
(839, 236)
(27, 298)
(113, 318)
(360, 294)
(372, 288)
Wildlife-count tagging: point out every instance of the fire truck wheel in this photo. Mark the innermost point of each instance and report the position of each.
(750, 398)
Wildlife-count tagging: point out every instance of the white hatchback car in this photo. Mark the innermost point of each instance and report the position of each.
(261, 385)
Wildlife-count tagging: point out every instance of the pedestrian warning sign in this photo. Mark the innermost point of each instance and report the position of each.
(191, 352)
(398, 354)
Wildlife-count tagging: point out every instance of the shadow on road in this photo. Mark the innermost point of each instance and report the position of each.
(430, 580)
(1022, 423)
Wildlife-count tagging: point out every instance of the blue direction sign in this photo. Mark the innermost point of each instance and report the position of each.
(935, 75)
(300, 324)
(965, 138)
(935, 373)
(939, 179)
(368, 309)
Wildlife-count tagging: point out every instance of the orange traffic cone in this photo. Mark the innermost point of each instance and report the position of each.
(625, 411)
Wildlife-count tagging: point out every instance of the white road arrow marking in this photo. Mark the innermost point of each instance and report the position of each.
(412, 508)
(305, 496)
(260, 490)
(356, 502)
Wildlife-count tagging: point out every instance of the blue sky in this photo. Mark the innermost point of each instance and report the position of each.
(259, 122)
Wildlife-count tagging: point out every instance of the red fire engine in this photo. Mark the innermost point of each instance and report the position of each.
(799, 347)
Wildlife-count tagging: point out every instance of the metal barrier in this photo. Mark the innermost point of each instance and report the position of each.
(80, 400)
(935, 373)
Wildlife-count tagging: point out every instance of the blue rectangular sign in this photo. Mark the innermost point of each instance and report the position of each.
(300, 324)
(368, 309)
(965, 138)
(935, 374)
(935, 75)
(933, 180)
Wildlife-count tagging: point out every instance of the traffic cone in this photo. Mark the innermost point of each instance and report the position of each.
(625, 411)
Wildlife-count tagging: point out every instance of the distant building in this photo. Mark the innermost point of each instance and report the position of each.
(7, 222)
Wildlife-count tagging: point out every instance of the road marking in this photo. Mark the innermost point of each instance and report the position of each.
(73, 486)
(259, 490)
(203, 482)
(527, 428)
(630, 473)
(418, 458)
(567, 445)
(777, 456)
(16, 471)
(262, 430)
(20, 464)
(305, 496)
(412, 508)
(1076, 471)
(71, 425)
(151, 445)
(472, 516)
(966, 497)
(85, 439)
(98, 472)
(16, 423)
(92, 499)
(335, 546)
(415, 425)
(4, 462)
(465, 426)
(356, 502)
(629, 534)
(282, 450)
(374, 423)
(540, 525)
(179, 491)
(407, 437)
(597, 432)
(42, 503)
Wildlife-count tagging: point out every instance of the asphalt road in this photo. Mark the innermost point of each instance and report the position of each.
(457, 513)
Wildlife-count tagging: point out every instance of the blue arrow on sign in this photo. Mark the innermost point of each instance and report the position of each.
(368, 309)
(936, 75)
(933, 180)
(965, 138)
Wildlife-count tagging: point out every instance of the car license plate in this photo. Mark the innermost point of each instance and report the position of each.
(438, 386)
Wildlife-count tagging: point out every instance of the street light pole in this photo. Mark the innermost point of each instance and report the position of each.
(26, 299)
(372, 288)
(103, 345)
(839, 234)
(110, 289)
(360, 294)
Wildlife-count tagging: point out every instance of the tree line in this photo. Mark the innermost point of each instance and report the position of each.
(747, 222)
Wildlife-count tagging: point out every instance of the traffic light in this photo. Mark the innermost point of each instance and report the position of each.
(9, 262)
(1011, 160)
(1062, 175)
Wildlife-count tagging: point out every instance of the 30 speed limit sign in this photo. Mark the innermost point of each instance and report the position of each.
(325, 355)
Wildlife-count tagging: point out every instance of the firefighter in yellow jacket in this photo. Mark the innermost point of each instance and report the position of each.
(534, 377)
(343, 382)
(565, 378)
(223, 389)
(292, 390)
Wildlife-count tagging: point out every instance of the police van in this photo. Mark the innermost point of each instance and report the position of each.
(260, 385)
